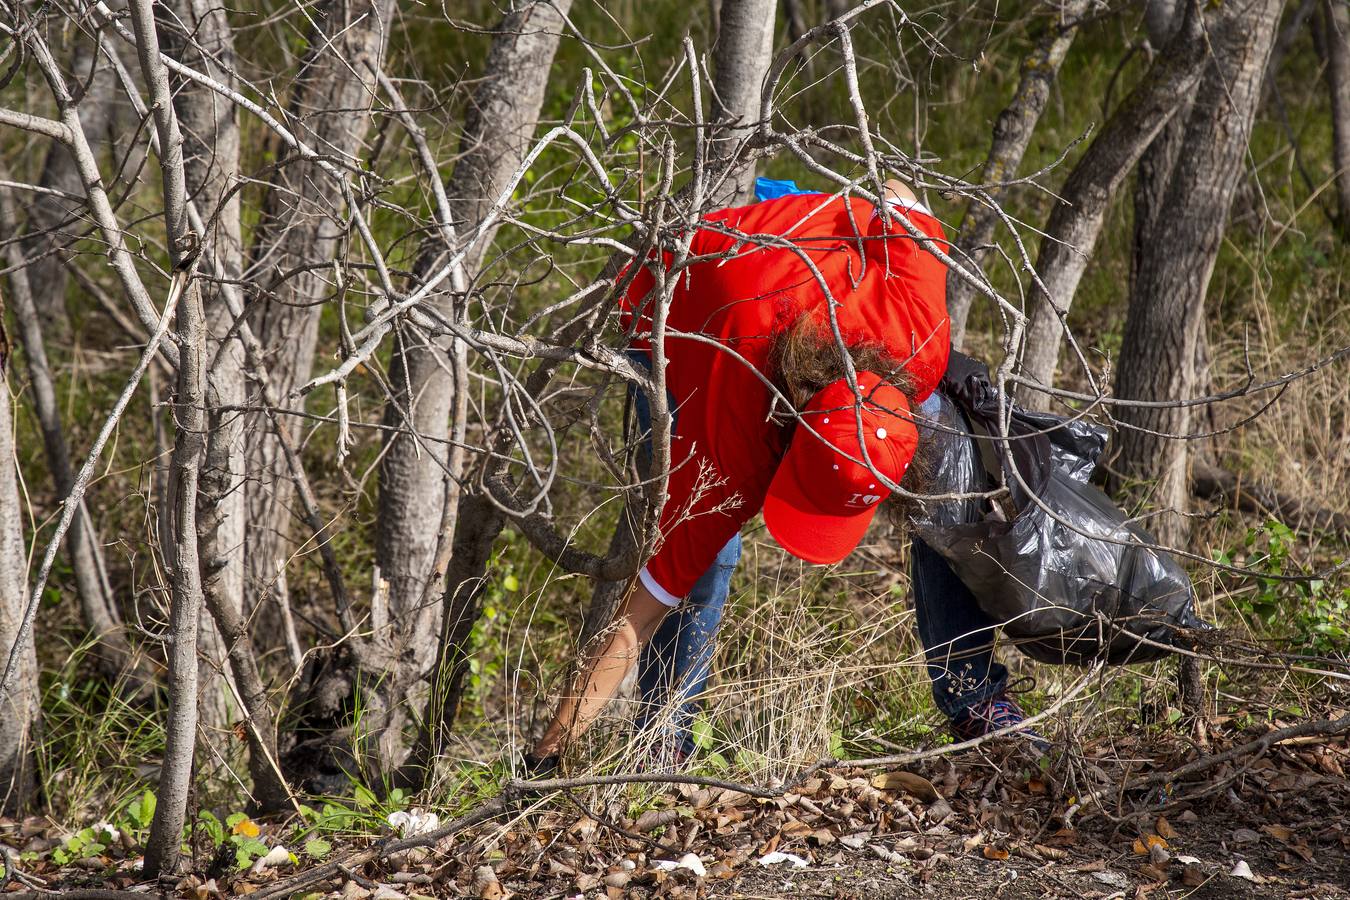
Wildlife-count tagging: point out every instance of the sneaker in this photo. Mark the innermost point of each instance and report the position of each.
(991, 715)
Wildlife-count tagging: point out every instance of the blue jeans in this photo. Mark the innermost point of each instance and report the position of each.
(957, 636)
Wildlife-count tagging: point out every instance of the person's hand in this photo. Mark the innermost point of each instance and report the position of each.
(521, 795)
(539, 768)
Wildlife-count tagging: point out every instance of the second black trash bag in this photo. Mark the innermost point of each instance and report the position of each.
(1062, 566)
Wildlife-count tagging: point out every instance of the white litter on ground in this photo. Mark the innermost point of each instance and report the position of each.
(689, 861)
(277, 856)
(413, 822)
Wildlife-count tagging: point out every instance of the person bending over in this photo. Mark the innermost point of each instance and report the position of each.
(753, 309)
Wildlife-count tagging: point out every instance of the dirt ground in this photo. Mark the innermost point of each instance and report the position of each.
(989, 823)
(997, 821)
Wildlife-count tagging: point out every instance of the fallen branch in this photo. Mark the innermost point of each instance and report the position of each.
(517, 790)
(386, 847)
(1322, 727)
(1213, 483)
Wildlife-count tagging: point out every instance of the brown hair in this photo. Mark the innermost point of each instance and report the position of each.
(805, 358)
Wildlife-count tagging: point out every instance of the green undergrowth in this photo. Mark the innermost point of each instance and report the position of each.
(810, 663)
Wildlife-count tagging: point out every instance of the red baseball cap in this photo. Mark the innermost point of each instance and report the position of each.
(820, 501)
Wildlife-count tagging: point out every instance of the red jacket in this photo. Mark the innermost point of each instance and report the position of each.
(725, 449)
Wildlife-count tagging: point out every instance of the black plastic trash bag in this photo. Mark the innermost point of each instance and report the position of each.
(1072, 579)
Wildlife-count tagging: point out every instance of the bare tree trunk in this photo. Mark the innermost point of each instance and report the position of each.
(1152, 176)
(1166, 312)
(331, 106)
(1335, 28)
(19, 708)
(480, 522)
(53, 221)
(211, 165)
(741, 59)
(1012, 134)
(85, 548)
(175, 778)
(163, 847)
(418, 473)
(1077, 218)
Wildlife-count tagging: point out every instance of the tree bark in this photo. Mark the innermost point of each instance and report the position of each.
(1154, 170)
(331, 108)
(1077, 218)
(1152, 176)
(1012, 134)
(740, 60)
(1335, 28)
(211, 165)
(1166, 312)
(19, 707)
(419, 474)
(84, 546)
(163, 847)
(479, 524)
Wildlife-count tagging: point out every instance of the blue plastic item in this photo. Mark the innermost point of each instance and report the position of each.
(773, 188)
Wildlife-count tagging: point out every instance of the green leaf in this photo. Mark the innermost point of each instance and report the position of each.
(364, 797)
(142, 809)
(234, 819)
(318, 848)
(511, 583)
(702, 732)
(211, 825)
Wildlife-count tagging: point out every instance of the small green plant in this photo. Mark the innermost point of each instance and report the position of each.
(1308, 611)
(87, 843)
(141, 811)
(243, 837)
(92, 842)
(238, 832)
(365, 813)
(317, 848)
